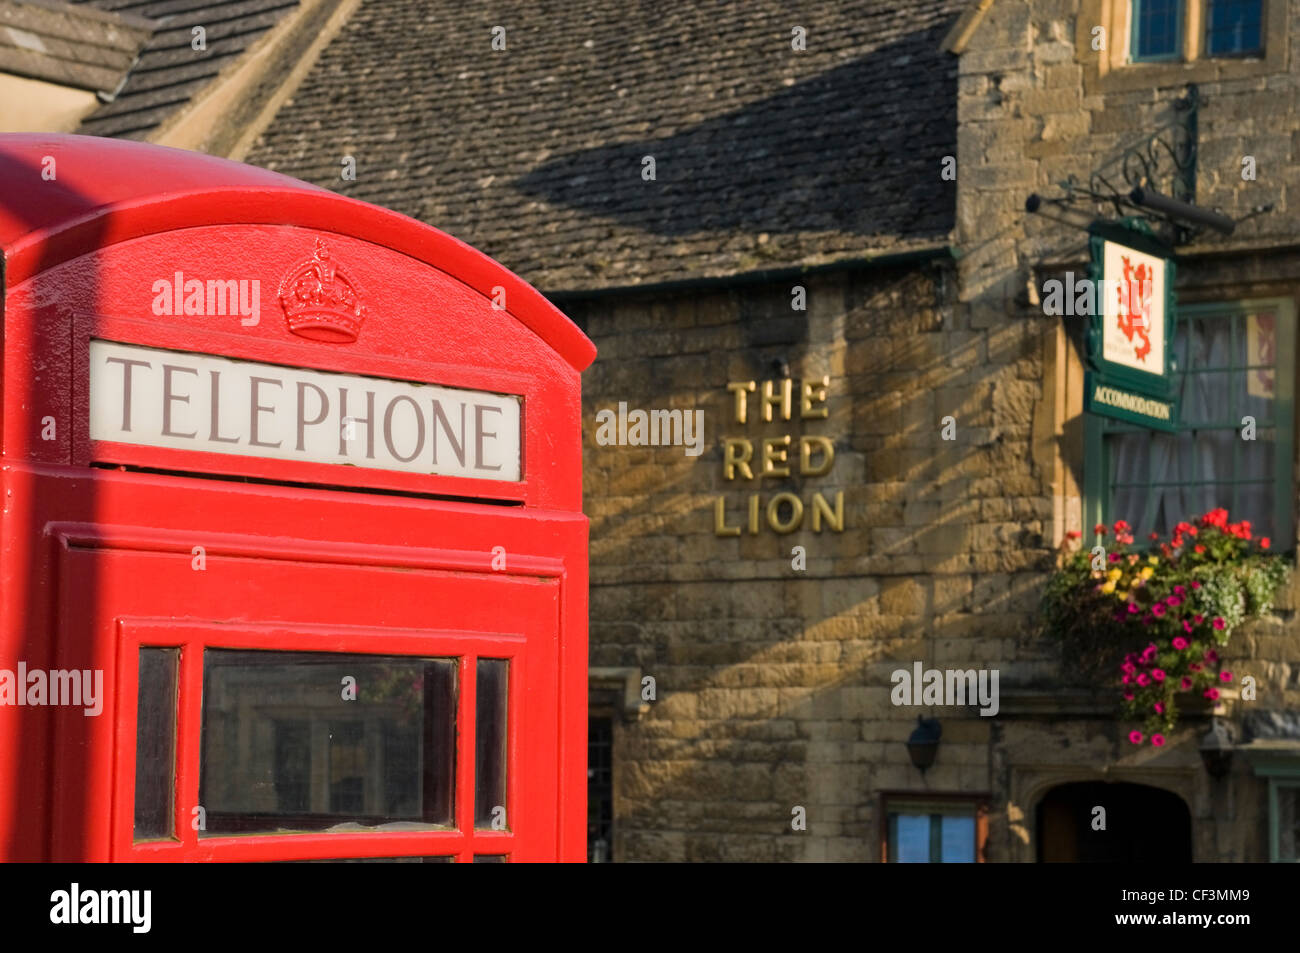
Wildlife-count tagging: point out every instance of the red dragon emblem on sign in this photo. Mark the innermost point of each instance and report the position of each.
(1135, 307)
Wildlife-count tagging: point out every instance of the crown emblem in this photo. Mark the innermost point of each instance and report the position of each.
(320, 302)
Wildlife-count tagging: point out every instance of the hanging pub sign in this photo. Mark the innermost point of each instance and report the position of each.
(1130, 352)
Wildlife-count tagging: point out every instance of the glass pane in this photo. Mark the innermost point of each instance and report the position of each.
(913, 844)
(155, 743)
(374, 860)
(1157, 28)
(1288, 823)
(490, 858)
(312, 741)
(600, 790)
(958, 835)
(1206, 399)
(490, 745)
(1233, 26)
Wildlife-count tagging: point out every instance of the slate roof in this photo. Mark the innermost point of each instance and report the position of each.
(764, 157)
(170, 72)
(80, 47)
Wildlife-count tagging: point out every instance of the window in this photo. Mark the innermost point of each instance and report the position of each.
(948, 830)
(1284, 820)
(1157, 30)
(1130, 45)
(286, 747)
(1233, 361)
(600, 790)
(1233, 27)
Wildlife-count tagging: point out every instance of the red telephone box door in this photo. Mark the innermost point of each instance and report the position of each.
(361, 702)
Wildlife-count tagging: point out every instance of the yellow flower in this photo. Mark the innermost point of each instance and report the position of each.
(1114, 574)
(1124, 596)
(1109, 587)
(1152, 560)
(1147, 572)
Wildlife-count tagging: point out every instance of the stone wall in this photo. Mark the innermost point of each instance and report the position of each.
(773, 682)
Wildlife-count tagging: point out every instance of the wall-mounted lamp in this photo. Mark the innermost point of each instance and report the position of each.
(1216, 749)
(923, 744)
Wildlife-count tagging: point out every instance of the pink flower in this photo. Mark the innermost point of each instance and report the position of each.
(1158, 674)
(1135, 737)
(1173, 602)
(1187, 626)
(1185, 684)
(1128, 696)
(1113, 557)
(1225, 676)
(1195, 584)
(1211, 656)
(1198, 618)
(1195, 666)
(1180, 643)
(1126, 679)
(1158, 610)
(1218, 622)
(1128, 667)
(1159, 707)
(1133, 608)
(1144, 680)
(1179, 591)
(1212, 694)
(1157, 740)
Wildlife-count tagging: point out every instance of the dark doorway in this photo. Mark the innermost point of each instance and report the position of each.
(1143, 825)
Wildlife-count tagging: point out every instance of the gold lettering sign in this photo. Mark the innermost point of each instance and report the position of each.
(773, 458)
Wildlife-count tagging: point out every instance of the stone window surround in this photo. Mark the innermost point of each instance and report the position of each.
(1109, 70)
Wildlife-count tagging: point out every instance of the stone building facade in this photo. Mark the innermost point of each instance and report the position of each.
(799, 232)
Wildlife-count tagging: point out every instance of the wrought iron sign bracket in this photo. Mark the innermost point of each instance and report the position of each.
(1153, 180)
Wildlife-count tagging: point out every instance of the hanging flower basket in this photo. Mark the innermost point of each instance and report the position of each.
(1153, 622)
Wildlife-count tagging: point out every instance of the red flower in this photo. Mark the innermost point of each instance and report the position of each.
(1199, 548)
(1121, 526)
(1264, 542)
(1073, 534)
(1154, 536)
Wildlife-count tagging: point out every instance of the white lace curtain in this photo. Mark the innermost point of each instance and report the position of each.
(1182, 475)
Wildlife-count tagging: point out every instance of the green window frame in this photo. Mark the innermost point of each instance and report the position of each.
(1137, 9)
(1100, 487)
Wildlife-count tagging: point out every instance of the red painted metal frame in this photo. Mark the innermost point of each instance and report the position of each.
(462, 841)
(307, 555)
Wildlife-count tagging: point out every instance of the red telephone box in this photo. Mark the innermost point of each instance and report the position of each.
(292, 557)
